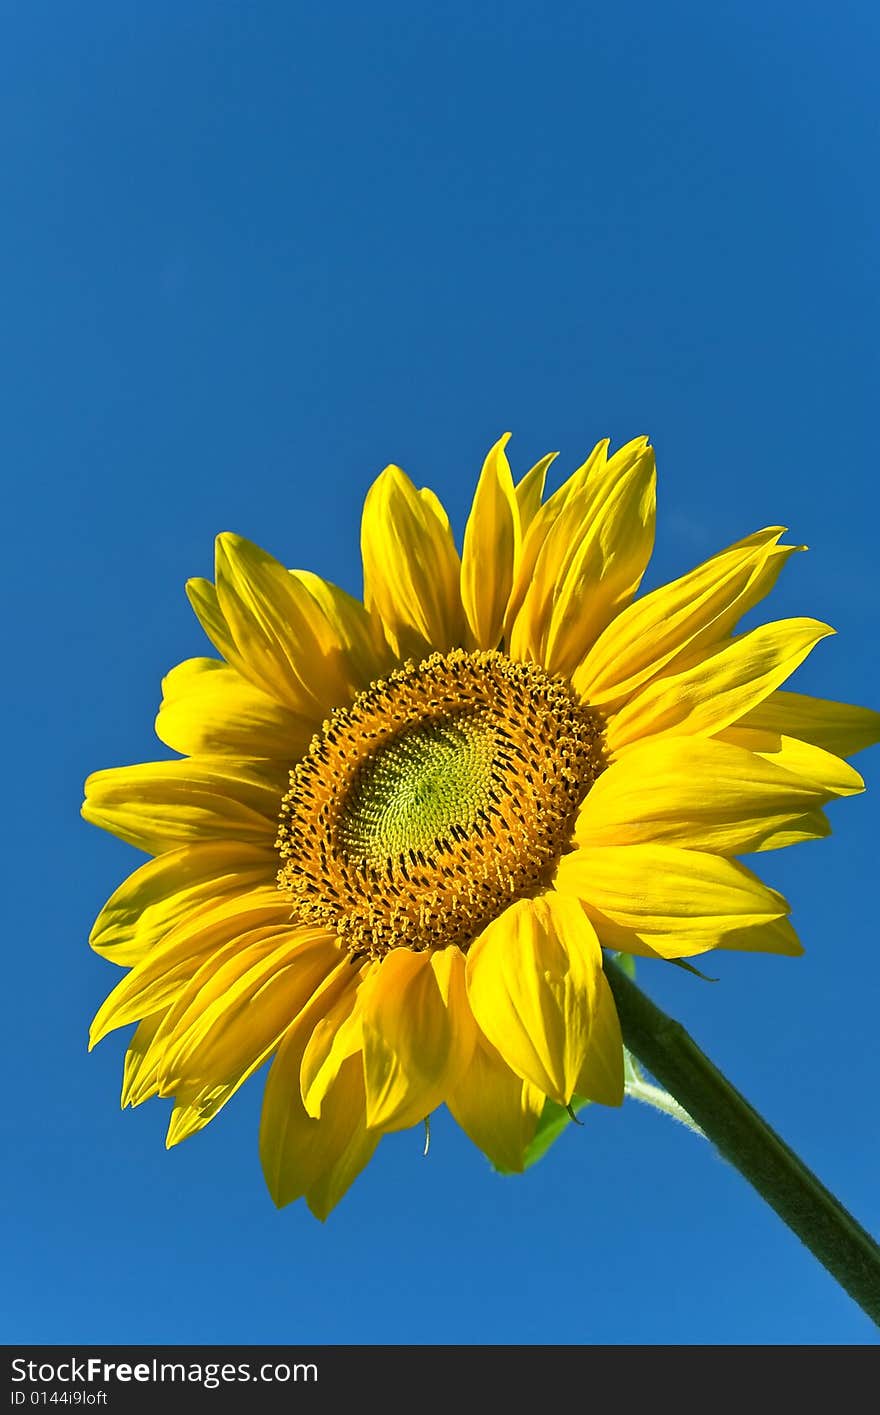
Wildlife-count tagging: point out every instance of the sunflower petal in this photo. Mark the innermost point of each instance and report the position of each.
(140, 1076)
(531, 980)
(167, 889)
(540, 525)
(302, 1156)
(812, 825)
(337, 1036)
(207, 707)
(285, 643)
(717, 634)
(411, 567)
(496, 1108)
(774, 936)
(491, 548)
(418, 1035)
(218, 1077)
(601, 1076)
(829, 774)
(713, 693)
(158, 806)
(591, 562)
(202, 595)
(337, 1176)
(700, 793)
(647, 636)
(841, 728)
(678, 902)
(239, 1004)
(156, 981)
(530, 490)
(359, 633)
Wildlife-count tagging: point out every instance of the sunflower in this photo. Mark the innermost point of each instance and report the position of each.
(401, 831)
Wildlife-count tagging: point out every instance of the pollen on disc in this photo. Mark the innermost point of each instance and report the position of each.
(444, 793)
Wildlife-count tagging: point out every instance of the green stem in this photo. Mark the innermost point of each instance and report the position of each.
(658, 1099)
(726, 1118)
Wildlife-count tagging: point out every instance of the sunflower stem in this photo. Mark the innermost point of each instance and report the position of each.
(658, 1099)
(746, 1140)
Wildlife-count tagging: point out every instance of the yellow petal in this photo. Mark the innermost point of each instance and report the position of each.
(337, 1036)
(601, 1077)
(611, 549)
(540, 525)
(202, 595)
(304, 1156)
(358, 632)
(828, 773)
(812, 825)
(496, 1108)
(158, 806)
(195, 1107)
(591, 562)
(207, 707)
(348, 1149)
(165, 890)
(841, 728)
(715, 692)
(530, 490)
(199, 1100)
(775, 936)
(700, 793)
(648, 635)
(678, 902)
(140, 1076)
(418, 1034)
(531, 979)
(232, 1014)
(157, 980)
(284, 642)
(491, 547)
(716, 634)
(411, 567)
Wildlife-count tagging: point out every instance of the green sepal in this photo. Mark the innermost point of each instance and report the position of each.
(688, 968)
(553, 1120)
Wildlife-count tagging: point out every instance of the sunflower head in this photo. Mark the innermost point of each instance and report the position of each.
(401, 829)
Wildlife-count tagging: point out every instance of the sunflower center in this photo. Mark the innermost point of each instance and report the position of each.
(440, 796)
(418, 788)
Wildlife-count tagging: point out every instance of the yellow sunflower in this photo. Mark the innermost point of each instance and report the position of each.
(402, 831)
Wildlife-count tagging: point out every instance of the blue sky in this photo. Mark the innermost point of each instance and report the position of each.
(253, 253)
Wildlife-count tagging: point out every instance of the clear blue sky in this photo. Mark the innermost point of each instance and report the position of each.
(251, 254)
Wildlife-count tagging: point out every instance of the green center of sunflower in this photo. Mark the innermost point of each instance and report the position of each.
(419, 788)
(440, 796)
